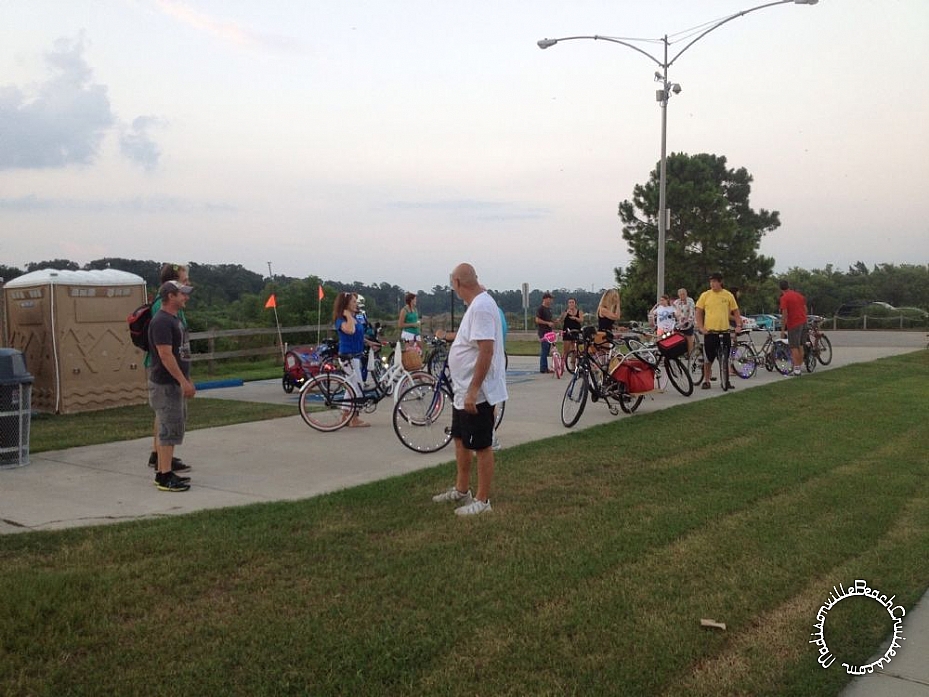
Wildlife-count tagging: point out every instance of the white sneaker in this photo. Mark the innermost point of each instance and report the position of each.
(495, 444)
(455, 496)
(797, 372)
(475, 507)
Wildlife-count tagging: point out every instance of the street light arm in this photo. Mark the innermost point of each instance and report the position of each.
(546, 43)
(736, 16)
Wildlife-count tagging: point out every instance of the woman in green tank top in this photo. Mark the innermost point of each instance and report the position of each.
(408, 322)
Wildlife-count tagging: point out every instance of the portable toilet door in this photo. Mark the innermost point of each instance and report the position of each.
(71, 328)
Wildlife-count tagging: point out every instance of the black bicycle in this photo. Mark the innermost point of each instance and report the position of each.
(593, 378)
(724, 358)
(422, 416)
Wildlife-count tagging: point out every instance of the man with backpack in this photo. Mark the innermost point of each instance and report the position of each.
(169, 385)
(169, 272)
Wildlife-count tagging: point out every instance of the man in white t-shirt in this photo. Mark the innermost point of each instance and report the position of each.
(477, 365)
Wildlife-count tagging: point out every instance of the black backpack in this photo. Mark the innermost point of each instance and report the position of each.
(138, 322)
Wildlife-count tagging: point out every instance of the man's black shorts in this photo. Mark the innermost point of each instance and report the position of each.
(476, 431)
(714, 342)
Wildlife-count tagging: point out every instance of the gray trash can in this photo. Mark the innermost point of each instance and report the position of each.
(15, 409)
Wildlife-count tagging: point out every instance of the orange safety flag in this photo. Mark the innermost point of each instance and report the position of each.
(271, 302)
(321, 294)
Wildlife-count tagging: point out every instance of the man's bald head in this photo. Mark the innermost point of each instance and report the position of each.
(464, 282)
(466, 275)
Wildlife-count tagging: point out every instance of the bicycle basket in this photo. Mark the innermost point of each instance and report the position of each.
(672, 345)
(412, 358)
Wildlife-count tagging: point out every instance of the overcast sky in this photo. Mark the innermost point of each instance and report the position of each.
(388, 141)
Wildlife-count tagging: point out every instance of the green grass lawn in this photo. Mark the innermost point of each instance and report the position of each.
(605, 549)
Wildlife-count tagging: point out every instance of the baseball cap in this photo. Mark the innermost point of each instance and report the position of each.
(174, 287)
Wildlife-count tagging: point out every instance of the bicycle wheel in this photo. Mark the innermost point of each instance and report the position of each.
(824, 350)
(437, 360)
(414, 377)
(575, 398)
(327, 402)
(782, 360)
(570, 361)
(629, 403)
(499, 409)
(661, 378)
(743, 360)
(722, 359)
(696, 360)
(288, 384)
(809, 358)
(679, 376)
(557, 364)
(642, 351)
(422, 418)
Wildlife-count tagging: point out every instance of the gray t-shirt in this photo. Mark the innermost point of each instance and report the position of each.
(167, 329)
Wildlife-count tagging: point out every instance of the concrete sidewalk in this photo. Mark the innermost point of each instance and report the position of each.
(283, 459)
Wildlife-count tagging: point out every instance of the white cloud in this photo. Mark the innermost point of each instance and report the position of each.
(65, 122)
(136, 144)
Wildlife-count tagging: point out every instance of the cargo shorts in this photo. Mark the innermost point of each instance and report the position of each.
(170, 409)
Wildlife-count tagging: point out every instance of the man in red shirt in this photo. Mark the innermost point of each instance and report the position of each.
(793, 315)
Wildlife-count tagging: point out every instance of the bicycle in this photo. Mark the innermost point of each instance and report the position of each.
(820, 344)
(329, 400)
(723, 358)
(774, 353)
(669, 366)
(592, 378)
(558, 363)
(436, 356)
(422, 416)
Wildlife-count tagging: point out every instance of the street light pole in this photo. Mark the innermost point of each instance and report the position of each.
(663, 96)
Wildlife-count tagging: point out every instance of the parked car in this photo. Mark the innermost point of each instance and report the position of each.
(772, 322)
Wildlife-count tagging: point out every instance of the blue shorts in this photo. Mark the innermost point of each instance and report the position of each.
(476, 431)
(170, 408)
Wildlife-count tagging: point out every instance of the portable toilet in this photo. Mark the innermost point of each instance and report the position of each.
(71, 328)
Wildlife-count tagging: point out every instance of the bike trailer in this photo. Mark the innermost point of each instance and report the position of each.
(301, 362)
(672, 345)
(635, 375)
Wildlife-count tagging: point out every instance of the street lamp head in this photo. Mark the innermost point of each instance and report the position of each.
(546, 43)
(805, 2)
(676, 88)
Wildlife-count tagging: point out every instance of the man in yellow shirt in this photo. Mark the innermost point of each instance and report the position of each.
(714, 307)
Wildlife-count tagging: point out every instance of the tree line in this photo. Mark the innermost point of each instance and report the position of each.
(230, 296)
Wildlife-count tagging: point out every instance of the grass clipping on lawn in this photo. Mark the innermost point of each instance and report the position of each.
(605, 549)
